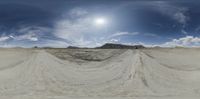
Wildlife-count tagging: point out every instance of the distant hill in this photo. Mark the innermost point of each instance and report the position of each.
(120, 46)
(72, 47)
(111, 46)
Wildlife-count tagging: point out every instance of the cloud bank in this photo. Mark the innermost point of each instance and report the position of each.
(187, 41)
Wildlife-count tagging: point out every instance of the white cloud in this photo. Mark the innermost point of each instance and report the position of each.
(114, 40)
(33, 30)
(123, 33)
(181, 17)
(150, 35)
(67, 29)
(177, 13)
(184, 32)
(187, 41)
(74, 31)
(30, 33)
(30, 36)
(77, 12)
(4, 38)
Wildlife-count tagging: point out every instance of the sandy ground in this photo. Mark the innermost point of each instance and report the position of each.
(99, 74)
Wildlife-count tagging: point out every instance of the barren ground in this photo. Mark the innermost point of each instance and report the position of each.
(100, 73)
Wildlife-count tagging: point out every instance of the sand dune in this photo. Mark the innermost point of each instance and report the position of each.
(118, 74)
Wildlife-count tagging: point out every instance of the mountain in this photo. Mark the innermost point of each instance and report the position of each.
(120, 46)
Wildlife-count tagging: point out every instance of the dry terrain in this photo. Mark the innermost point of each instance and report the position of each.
(157, 73)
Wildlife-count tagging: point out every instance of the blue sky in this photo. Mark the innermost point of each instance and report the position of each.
(60, 23)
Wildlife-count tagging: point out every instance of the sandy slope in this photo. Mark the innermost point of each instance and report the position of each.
(142, 74)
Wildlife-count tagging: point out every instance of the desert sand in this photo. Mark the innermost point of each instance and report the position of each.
(157, 73)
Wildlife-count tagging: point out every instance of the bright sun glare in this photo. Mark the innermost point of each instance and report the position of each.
(100, 21)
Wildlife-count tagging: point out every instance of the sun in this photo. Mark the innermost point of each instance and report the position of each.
(100, 21)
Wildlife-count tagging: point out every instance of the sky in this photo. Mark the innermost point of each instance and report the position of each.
(91, 23)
